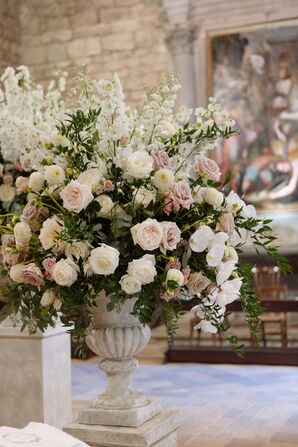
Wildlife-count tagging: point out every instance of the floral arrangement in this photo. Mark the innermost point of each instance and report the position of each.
(130, 202)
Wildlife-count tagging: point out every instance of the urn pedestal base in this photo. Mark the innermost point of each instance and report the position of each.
(132, 417)
(122, 416)
(159, 431)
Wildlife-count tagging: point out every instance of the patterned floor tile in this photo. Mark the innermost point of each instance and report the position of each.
(224, 405)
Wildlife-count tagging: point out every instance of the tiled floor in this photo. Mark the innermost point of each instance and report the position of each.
(221, 405)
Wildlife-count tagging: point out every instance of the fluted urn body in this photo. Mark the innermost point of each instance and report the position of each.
(117, 337)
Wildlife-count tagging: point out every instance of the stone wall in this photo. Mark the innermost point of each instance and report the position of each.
(9, 33)
(125, 36)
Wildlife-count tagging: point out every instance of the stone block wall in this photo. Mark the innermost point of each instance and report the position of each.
(9, 33)
(125, 36)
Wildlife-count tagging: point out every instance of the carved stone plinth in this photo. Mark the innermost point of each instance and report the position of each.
(160, 431)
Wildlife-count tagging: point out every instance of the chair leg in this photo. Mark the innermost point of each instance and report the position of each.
(263, 334)
(284, 332)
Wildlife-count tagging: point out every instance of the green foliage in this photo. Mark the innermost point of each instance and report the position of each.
(80, 130)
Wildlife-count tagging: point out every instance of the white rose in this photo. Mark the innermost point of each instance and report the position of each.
(104, 260)
(164, 179)
(65, 272)
(77, 249)
(213, 197)
(91, 178)
(16, 272)
(144, 197)
(147, 234)
(49, 232)
(130, 284)
(49, 298)
(76, 196)
(22, 233)
(36, 181)
(106, 204)
(139, 164)
(54, 175)
(7, 193)
(22, 184)
(175, 275)
(143, 269)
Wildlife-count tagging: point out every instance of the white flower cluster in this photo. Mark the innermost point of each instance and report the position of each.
(28, 115)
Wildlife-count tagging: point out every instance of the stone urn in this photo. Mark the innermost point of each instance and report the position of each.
(117, 337)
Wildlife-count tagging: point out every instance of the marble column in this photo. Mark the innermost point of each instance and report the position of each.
(180, 42)
(35, 376)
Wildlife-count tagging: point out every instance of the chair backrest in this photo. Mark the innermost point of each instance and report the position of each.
(267, 276)
(272, 292)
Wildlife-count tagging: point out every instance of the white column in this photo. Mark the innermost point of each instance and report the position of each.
(180, 43)
(179, 37)
(35, 376)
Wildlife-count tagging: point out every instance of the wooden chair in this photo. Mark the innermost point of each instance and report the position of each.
(266, 275)
(267, 280)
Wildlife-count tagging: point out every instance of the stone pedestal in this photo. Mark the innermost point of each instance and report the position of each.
(160, 431)
(131, 417)
(122, 416)
(35, 377)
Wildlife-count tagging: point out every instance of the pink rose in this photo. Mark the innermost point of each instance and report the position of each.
(226, 223)
(197, 282)
(183, 194)
(170, 236)
(186, 273)
(76, 196)
(21, 184)
(8, 256)
(208, 167)
(31, 212)
(108, 186)
(161, 160)
(48, 265)
(171, 203)
(173, 264)
(148, 234)
(26, 163)
(32, 274)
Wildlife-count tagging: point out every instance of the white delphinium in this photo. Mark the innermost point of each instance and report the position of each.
(30, 115)
(157, 114)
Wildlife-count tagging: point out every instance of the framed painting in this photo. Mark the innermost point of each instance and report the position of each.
(253, 72)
